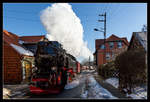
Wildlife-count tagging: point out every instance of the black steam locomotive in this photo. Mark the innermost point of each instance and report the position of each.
(53, 68)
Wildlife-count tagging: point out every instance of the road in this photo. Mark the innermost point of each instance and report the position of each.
(66, 93)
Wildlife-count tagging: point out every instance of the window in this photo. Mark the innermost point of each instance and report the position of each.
(111, 45)
(102, 46)
(119, 44)
(107, 56)
(113, 55)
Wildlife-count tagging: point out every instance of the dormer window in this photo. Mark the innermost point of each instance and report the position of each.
(111, 45)
(119, 44)
(102, 46)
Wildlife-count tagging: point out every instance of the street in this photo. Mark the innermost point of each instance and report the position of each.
(84, 86)
(66, 93)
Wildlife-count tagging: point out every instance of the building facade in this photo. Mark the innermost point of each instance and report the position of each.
(139, 42)
(107, 52)
(17, 58)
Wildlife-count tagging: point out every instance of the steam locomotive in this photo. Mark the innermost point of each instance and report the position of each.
(54, 68)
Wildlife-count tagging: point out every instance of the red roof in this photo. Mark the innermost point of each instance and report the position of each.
(125, 40)
(31, 39)
(111, 38)
(9, 38)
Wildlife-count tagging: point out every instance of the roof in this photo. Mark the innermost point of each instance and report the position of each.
(125, 40)
(113, 37)
(116, 38)
(9, 37)
(13, 40)
(142, 38)
(31, 39)
(21, 50)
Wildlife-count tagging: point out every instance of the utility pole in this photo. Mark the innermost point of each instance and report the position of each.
(104, 33)
(89, 62)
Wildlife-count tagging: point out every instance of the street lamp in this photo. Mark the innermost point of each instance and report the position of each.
(95, 29)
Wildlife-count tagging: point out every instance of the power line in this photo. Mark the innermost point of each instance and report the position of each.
(23, 19)
(17, 11)
(115, 11)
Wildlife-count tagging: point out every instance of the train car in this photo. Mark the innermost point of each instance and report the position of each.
(54, 68)
(78, 67)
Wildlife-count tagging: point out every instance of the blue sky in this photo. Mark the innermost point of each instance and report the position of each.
(23, 19)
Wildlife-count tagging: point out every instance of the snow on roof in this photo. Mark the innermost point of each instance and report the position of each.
(21, 50)
(21, 42)
(142, 36)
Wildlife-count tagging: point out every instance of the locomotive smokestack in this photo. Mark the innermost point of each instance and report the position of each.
(64, 26)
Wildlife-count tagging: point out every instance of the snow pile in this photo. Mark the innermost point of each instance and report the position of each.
(113, 81)
(11, 91)
(6, 93)
(72, 84)
(139, 93)
(91, 71)
(85, 94)
(95, 91)
(63, 25)
(21, 50)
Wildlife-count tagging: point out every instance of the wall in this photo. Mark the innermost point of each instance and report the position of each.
(101, 57)
(12, 72)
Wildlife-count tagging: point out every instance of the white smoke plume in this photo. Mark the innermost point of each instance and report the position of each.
(64, 26)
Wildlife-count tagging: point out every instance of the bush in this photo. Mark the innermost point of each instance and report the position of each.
(132, 68)
(108, 70)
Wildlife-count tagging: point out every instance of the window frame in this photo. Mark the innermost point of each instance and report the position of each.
(108, 57)
(102, 46)
(119, 44)
(111, 45)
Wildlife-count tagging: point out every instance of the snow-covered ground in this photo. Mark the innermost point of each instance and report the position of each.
(10, 91)
(6, 93)
(78, 79)
(94, 90)
(139, 92)
(72, 84)
(113, 81)
(90, 71)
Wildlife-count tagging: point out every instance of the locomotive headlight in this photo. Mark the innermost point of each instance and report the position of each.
(53, 68)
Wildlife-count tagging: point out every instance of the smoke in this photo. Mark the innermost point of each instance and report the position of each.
(64, 26)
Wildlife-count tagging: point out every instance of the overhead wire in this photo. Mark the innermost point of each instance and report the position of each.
(23, 19)
(19, 18)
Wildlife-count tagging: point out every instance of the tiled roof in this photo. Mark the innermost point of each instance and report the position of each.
(125, 40)
(113, 37)
(13, 39)
(31, 39)
(9, 38)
